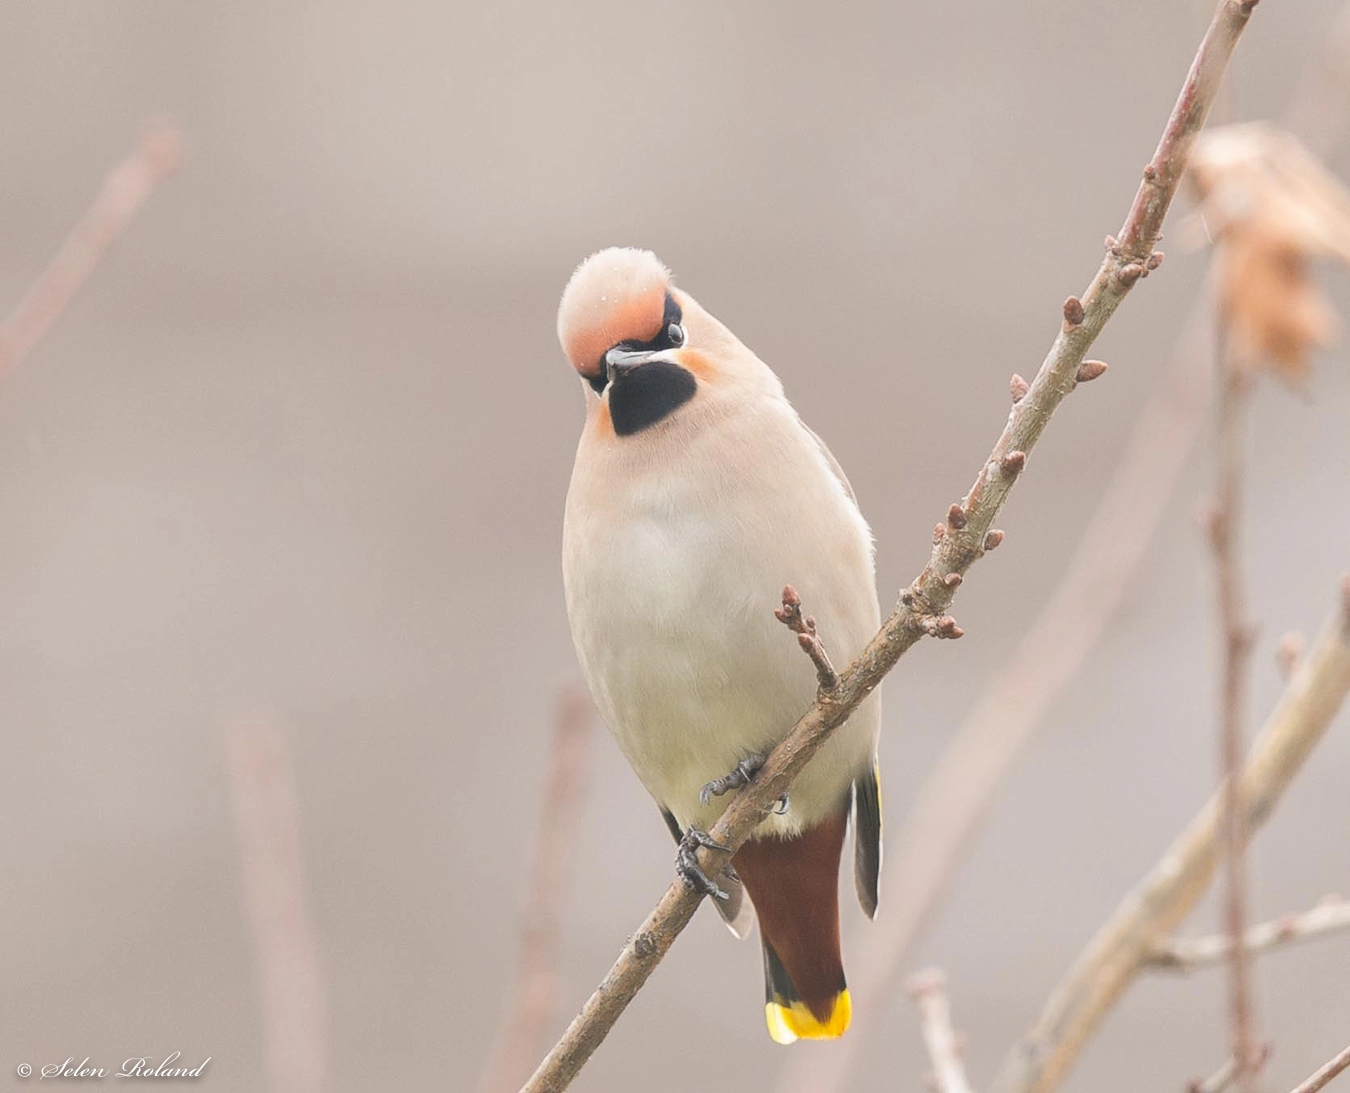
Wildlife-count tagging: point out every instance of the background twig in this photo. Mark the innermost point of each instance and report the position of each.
(127, 187)
(271, 866)
(1163, 898)
(1331, 916)
(959, 542)
(929, 991)
(1217, 1082)
(1236, 640)
(533, 994)
(1222, 1078)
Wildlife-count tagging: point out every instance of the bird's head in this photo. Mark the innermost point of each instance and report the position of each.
(643, 346)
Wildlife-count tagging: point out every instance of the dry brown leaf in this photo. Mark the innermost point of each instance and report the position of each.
(1273, 209)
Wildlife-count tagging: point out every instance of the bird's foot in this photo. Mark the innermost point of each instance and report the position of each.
(746, 769)
(687, 866)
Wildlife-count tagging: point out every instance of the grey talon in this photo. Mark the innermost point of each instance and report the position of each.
(686, 863)
(745, 770)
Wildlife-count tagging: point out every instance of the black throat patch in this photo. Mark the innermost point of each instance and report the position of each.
(647, 394)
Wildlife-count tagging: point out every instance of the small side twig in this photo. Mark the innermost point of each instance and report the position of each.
(533, 994)
(271, 865)
(127, 187)
(1330, 916)
(929, 991)
(1324, 1074)
(790, 615)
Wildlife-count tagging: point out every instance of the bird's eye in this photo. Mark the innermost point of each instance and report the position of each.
(675, 332)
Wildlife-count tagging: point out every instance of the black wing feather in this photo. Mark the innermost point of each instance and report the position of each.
(867, 839)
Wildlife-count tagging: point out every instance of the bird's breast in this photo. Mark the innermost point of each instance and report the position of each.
(673, 569)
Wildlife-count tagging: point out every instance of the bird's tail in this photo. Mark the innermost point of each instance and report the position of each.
(794, 884)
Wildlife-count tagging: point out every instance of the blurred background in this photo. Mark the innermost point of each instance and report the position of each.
(301, 449)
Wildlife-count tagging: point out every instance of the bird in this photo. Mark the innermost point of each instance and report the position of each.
(697, 494)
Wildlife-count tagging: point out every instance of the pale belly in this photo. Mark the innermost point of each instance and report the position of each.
(672, 614)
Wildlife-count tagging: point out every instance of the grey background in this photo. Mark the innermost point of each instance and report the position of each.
(303, 445)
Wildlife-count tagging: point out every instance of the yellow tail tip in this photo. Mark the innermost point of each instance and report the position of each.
(792, 1021)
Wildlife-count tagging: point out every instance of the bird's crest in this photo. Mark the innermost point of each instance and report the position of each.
(616, 295)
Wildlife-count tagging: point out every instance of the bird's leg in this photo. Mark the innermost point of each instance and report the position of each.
(746, 769)
(686, 863)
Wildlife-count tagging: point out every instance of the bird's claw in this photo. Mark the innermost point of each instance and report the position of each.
(746, 769)
(686, 863)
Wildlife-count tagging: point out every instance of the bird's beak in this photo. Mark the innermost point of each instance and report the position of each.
(619, 362)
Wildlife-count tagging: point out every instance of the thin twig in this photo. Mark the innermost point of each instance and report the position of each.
(271, 865)
(1217, 1082)
(804, 626)
(1331, 916)
(1222, 1078)
(533, 996)
(1163, 898)
(1236, 636)
(1324, 1074)
(929, 991)
(962, 542)
(127, 187)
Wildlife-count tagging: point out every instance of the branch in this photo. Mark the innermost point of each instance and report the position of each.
(267, 830)
(954, 799)
(929, 991)
(967, 534)
(1237, 637)
(127, 187)
(1331, 916)
(1325, 1074)
(956, 795)
(1164, 897)
(533, 995)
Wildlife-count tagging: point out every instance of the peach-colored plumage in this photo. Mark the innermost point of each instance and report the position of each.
(616, 295)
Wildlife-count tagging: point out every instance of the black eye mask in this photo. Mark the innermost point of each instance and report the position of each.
(670, 337)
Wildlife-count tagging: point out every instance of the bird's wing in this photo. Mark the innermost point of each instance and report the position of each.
(736, 910)
(830, 460)
(867, 838)
(867, 788)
